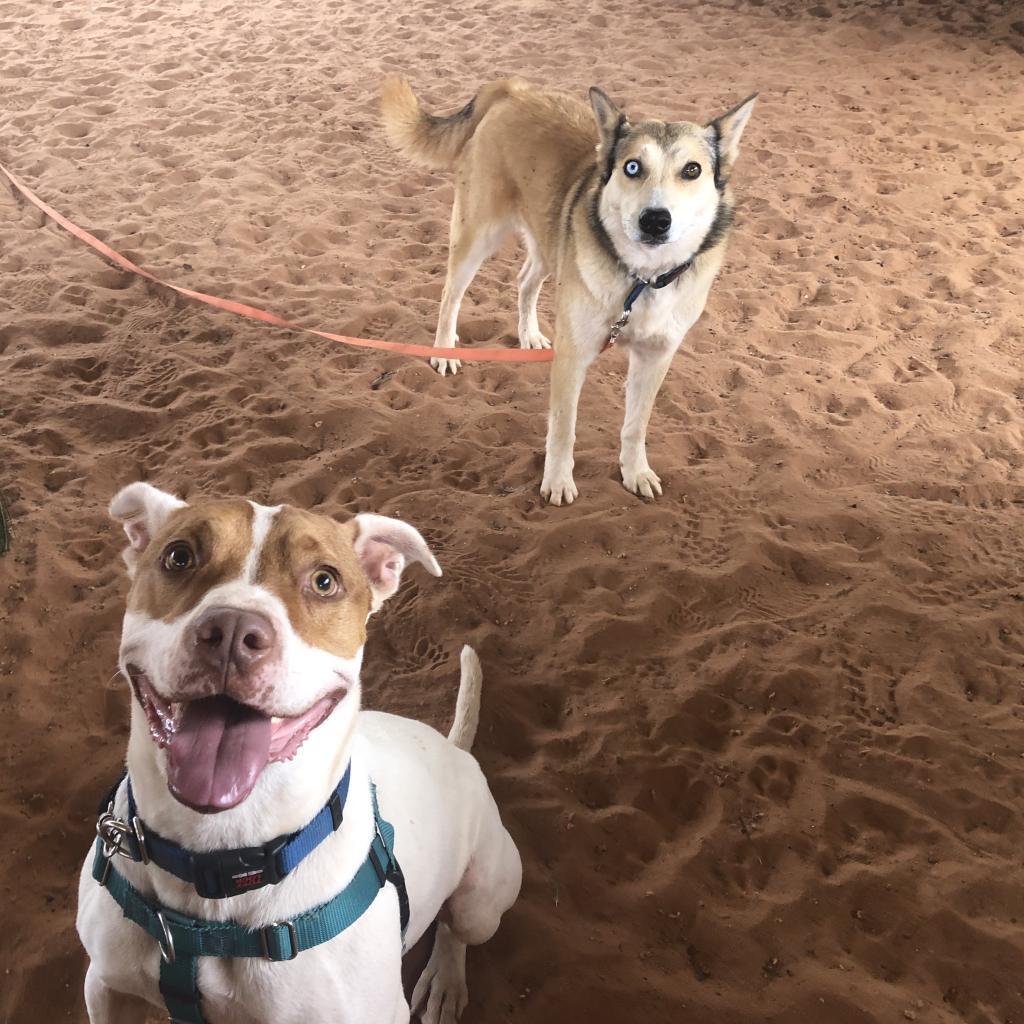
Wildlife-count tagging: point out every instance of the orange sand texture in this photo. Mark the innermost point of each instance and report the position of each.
(760, 742)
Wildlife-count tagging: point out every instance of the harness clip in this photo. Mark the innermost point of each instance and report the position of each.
(115, 834)
(617, 328)
(222, 874)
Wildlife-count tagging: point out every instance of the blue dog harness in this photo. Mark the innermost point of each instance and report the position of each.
(183, 939)
(221, 873)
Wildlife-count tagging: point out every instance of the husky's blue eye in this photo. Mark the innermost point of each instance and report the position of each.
(691, 170)
(631, 168)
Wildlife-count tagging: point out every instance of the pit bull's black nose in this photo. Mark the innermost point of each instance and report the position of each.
(655, 221)
(226, 636)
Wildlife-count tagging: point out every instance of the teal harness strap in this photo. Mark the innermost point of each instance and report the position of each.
(179, 985)
(183, 939)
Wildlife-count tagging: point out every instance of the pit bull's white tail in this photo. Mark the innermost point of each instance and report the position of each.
(467, 706)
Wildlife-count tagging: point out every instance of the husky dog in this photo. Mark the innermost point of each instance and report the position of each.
(631, 218)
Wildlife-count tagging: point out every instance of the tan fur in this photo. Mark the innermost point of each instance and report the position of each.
(434, 141)
(220, 534)
(298, 544)
(533, 162)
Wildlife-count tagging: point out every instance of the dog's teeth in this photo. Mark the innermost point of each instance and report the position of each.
(276, 721)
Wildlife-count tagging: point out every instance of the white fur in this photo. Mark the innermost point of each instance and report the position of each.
(454, 850)
(302, 675)
(692, 208)
(141, 509)
(263, 519)
(384, 546)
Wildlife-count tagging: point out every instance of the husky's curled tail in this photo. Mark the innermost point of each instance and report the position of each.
(426, 138)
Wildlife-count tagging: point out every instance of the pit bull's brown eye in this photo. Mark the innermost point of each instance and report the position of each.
(691, 170)
(324, 582)
(178, 557)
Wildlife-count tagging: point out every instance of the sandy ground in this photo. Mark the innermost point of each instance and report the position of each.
(760, 742)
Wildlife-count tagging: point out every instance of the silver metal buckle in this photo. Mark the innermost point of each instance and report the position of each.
(140, 839)
(617, 328)
(293, 937)
(167, 946)
(112, 832)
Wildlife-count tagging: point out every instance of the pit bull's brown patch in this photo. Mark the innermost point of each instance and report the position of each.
(298, 544)
(220, 534)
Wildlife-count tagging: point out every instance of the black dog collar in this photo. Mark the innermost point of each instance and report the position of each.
(636, 291)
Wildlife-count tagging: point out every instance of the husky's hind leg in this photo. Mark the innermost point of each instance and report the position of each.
(531, 278)
(471, 243)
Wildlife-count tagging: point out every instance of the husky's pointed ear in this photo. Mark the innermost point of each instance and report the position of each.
(383, 547)
(142, 510)
(725, 137)
(611, 122)
(607, 115)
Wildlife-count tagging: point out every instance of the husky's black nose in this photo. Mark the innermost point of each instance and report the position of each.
(655, 221)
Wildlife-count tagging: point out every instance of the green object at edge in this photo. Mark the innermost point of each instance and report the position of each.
(5, 528)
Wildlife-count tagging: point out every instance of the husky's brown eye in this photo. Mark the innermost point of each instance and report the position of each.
(631, 168)
(324, 582)
(178, 557)
(691, 170)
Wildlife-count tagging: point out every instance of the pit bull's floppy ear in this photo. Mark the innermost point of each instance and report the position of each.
(383, 547)
(141, 509)
(727, 130)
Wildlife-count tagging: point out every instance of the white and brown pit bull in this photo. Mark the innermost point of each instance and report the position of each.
(242, 642)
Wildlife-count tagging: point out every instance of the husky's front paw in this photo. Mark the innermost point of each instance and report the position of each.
(642, 481)
(441, 995)
(533, 339)
(444, 366)
(558, 489)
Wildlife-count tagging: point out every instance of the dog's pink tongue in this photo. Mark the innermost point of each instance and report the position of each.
(217, 753)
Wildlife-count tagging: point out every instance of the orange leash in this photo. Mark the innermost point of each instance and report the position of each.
(495, 355)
